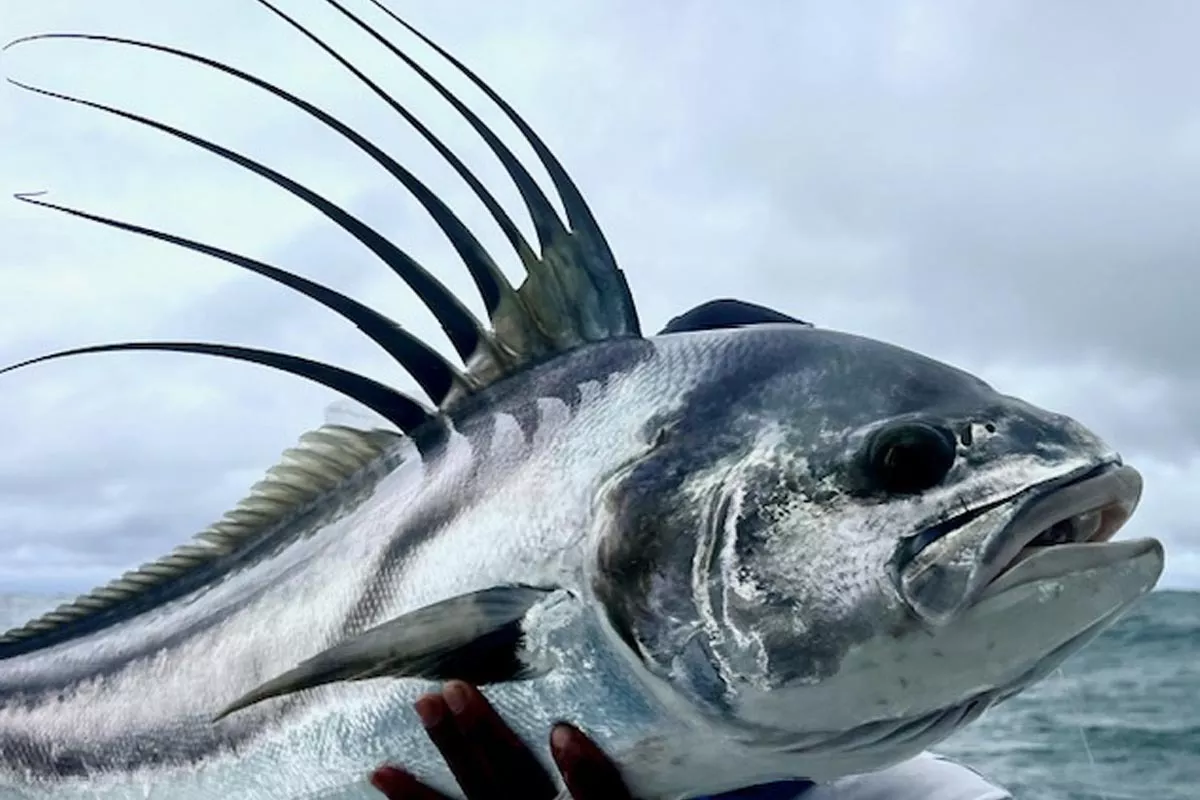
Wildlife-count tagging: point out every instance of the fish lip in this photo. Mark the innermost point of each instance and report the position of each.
(993, 537)
(1109, 488)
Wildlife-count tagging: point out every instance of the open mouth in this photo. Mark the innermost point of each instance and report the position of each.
(1057, 528)
(1081, 510)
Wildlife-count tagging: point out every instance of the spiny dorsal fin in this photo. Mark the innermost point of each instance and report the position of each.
(573, 294)
(322, 461)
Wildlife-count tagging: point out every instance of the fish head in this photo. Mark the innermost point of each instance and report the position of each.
(841, 546)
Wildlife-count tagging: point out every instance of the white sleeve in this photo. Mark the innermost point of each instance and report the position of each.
(926, 777)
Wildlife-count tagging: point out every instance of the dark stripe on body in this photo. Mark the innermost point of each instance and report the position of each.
(178, 744)
(475, 419)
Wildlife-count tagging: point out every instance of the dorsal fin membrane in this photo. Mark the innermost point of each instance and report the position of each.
(727, 313)
(271, 501)
(573, 294)
(575, 291)
(611, 303)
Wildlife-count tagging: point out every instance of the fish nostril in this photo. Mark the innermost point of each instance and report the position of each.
(967, 434)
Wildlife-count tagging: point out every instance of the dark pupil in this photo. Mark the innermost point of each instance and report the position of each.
(912, 459)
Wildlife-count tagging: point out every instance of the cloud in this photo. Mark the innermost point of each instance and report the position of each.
(1009, 188)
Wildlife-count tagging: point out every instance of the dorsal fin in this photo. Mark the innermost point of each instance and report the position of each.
(573, 294)
(727, 313)
(323, 459)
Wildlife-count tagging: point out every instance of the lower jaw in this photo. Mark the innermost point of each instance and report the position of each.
(888, 741)
(1062, 561)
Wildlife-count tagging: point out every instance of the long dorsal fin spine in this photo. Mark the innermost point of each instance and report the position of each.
(579, 215)
(515, 325)
(487, 276)
(465, 332)
(542, 301)
(604, 278)
(499, 215)
(435, 375)
(406, 413)
(545, 220)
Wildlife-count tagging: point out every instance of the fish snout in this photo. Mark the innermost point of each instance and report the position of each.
(970, 554)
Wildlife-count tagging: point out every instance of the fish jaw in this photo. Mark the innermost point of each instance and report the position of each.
(1088, 503)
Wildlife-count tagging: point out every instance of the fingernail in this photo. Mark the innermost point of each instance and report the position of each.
(429, 709)
(562, 738)
(456, 696)
(384, 778)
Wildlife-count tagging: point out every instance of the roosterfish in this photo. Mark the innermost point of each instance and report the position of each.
(740, 550)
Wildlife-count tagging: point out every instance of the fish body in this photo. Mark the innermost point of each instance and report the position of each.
(552, 486)
(743, 550)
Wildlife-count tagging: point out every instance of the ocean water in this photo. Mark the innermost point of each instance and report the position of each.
(1120, 720)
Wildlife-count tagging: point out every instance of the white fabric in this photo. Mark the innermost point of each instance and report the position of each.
(926, 777)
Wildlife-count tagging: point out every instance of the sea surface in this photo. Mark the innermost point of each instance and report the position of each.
(1119, 721)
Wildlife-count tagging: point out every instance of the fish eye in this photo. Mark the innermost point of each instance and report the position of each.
(910, 458)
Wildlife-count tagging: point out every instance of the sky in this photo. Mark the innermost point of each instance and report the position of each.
(1012, 188)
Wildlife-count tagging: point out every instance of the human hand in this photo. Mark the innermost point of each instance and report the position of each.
(491, 763)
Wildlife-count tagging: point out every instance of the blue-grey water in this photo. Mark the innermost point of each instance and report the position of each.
(1131, 699)
(1121, 721)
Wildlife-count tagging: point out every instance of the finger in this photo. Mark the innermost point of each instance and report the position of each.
(473, 774)
(396, 784)
(587, 772)
(514, 768)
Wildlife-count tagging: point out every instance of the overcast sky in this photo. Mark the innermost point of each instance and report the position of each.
(1013, 188)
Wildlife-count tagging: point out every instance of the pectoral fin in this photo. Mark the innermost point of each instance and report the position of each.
(474, 637)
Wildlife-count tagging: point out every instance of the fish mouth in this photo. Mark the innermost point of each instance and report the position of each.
(1065, 526)
(1057, 527)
